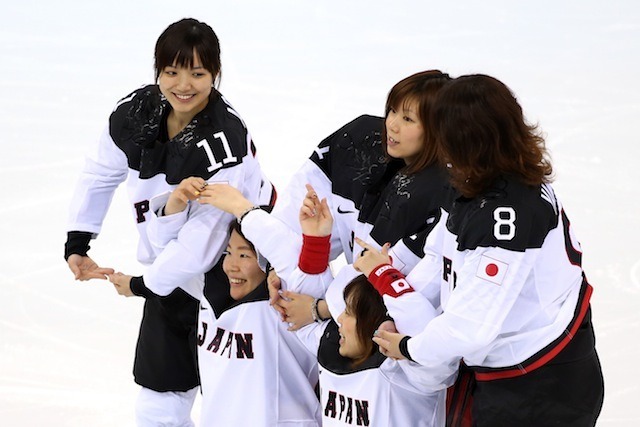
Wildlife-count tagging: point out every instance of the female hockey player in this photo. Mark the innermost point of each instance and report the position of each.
(252, 370)
(507, 269)
(358, 386)
(382, 175)
(157, 136)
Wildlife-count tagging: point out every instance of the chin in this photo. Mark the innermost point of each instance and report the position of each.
(238, 294)
(345, 353)
(395, 156)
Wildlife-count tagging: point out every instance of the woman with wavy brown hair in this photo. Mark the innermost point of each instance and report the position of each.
(507, 268)
(487, 137)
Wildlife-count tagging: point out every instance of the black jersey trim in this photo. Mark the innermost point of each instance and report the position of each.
(77, 243)
(261, 293)
(330, 358)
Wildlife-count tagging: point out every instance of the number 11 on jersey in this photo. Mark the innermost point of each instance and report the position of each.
(228, 158)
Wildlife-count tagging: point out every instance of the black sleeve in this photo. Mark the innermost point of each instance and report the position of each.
(77, 243)
(139, 289)
(404, 349)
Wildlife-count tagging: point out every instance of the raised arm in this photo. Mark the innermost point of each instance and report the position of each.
(201, 239)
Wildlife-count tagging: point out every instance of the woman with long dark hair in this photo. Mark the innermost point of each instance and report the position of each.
(506, 266)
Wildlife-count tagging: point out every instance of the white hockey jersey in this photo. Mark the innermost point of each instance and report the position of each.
(135, 147)
(215, 146)
(369, 197)
(381, 391)
(506, 269)
(253, 371)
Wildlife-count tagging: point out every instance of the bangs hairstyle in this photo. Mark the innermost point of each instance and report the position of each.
(234, 226)
(365, 304)
(177, 43)
(420, 88)
(481, 132)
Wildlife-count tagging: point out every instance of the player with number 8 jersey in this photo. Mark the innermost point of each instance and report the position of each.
(504, 266)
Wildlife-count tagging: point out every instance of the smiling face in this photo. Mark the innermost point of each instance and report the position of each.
(350, 344)
(241, 267)
(186, 88)
(405, 133)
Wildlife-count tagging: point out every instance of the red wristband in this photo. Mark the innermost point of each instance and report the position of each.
(314, 256)
(389, 281)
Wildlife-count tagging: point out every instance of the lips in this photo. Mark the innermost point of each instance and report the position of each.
(392, 142)
(183, 97)
(236, 281)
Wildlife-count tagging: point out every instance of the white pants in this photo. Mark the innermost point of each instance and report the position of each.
(166, 409)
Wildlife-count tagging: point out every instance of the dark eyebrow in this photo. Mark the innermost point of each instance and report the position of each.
(178, 66)
(241, 248)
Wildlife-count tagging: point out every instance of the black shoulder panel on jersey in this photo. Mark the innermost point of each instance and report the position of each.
(215, 139)
(330, 358)
(511, 215)
(416, 242)
(352, 157)
(138, 116)
(407, 205)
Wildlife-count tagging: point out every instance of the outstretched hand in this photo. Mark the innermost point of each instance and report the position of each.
(122, 284)
(389, 343)
(84, 268)
(315, 215)
(370, 257)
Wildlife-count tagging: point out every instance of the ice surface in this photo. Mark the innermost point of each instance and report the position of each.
(295, 71)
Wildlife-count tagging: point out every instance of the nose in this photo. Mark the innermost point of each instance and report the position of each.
(392, 122)
(184, 81)
(229, 264)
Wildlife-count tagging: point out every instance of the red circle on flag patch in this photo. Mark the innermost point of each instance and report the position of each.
(491, 270)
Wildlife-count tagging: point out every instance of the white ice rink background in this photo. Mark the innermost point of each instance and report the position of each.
(296, 71)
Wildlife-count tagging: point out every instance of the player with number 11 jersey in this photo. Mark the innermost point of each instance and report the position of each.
(136, 147)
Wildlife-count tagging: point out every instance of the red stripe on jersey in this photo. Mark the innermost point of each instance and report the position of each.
(389, 281)
(314, 256)
(546, 355)
(274, 196)
(460, 399)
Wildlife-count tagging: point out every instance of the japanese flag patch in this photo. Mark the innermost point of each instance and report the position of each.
(492, 270)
